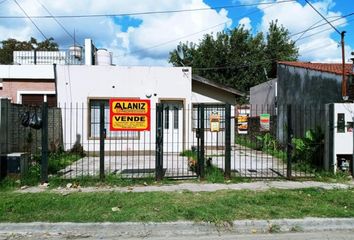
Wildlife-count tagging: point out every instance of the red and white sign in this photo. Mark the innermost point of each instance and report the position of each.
(129, 114)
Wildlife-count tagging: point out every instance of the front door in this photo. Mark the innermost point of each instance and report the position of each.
(173, 126)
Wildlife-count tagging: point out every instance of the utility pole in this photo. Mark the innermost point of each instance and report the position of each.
(344, 79)
(344, 82)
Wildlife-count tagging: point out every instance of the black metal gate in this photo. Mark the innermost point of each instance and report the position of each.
(201, 148)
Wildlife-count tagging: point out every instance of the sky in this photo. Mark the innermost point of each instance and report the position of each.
(147, 39)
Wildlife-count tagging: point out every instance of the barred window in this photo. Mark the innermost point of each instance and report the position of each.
(94, 118)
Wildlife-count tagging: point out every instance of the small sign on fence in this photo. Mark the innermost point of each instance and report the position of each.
(129, 114)
(264, 122)
(214, 122)
(242, 123)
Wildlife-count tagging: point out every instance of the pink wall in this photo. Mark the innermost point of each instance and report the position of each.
(10, 87)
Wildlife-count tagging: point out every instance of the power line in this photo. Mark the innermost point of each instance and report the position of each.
(152, 12)
(256, 63)
(30, 19)
(345, 16)
(322, 16)
(308, 29)
(192, 34)
(55, 19)
(223, 23)
(325, 30)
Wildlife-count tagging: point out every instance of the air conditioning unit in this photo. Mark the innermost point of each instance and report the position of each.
(3, 166)
(14, 164)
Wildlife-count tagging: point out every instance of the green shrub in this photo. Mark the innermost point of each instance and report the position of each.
(58, 161)
(32, 176)
(309, 151)
(192, 158)
(214, 174)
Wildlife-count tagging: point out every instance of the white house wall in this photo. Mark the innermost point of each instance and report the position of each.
(213, 138)
(27, 71)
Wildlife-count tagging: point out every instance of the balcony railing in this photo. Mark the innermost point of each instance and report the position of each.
(62, 57)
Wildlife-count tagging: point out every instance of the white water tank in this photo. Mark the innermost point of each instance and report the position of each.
(103, 57)
(76, 52)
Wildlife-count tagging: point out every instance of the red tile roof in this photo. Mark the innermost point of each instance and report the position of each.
(335, 68)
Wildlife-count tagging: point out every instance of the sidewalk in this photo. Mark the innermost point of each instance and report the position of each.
(200, 187)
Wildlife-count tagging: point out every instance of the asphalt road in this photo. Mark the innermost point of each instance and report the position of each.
(332, 235)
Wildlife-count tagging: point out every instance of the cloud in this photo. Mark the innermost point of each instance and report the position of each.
(147, 42)
(246, 23)
(314, 45)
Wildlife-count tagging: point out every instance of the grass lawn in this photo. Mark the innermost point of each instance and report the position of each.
(159, 207)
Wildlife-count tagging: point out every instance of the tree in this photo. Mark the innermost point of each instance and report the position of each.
(279, 47)
(237, 58)
(10, 45)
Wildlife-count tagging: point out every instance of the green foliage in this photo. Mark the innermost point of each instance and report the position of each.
(236, 57)
(214, 174)
(338, 177)
(192, 158)
(279, 47)
(308, 151)
(246, 141)
(10, 45)
(267, 142)
(32, 177)
(60, 160)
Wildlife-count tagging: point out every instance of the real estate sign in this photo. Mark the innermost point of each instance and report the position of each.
(129, 114)
(264, 122)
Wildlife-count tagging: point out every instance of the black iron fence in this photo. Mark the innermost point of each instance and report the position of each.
(75, 141)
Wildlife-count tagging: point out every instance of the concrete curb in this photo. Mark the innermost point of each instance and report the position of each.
(178, 229)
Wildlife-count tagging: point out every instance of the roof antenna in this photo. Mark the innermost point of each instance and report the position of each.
(180, 54)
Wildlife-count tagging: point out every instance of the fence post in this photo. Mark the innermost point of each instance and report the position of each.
(102, 137)
(4, 138)
(352, 163)
(159, 142)
(44, 159)
(288, 142)
(35, 56)
(201, 157)
(227, 141)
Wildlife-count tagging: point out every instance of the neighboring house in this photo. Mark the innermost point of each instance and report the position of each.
(28, 84)
(306, 83)
(31, 78)
(263, 98)
(308, 87)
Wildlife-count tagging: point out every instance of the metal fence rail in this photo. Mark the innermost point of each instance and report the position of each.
(183, 141)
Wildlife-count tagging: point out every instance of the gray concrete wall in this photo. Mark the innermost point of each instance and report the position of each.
(17, 138)
(307, 91)
(263, 96)
(4, 103)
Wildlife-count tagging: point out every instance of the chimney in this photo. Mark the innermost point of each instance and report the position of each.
(88, 52)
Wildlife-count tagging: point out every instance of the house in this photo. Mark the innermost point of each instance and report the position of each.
(79, 89)
(308, 83)
(307, 87)
(28, 84)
